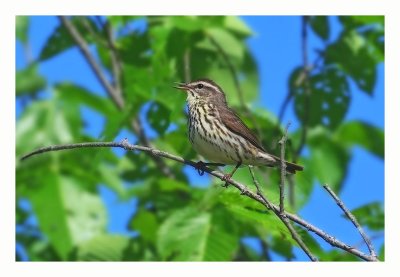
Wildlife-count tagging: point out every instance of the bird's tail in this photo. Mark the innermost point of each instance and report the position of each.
(272, 161)
(292, 167)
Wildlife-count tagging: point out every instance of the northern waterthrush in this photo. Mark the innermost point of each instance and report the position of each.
(218, 134)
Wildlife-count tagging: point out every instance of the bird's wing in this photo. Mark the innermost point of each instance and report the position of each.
(232, 121)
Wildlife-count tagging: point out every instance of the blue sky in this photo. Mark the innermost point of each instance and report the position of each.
(276, 47)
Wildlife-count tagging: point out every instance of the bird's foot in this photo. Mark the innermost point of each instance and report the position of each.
(226, 178)
(200, 167)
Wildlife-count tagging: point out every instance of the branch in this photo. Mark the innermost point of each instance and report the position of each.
(353, 220)
(243, 188)
(113, 91)
(84, 48)
(282, 143)
(307, 88)
(115, 61)
(281, 212)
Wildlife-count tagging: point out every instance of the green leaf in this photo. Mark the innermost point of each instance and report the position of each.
(61, 40)
(320, 26)
(327, 101)
(121, 21)
(110, 177)
(358, 21)
(78, 95)
(382, 253)
(232, 46)
(146, 223)
(158, 117)
(371, 215)
(21, 28)
(42, 124)
(356, 57)
(283, 247)
(29, 81)
(329, 158)
(182, 236)
(237, 25)
(103, 247)
(65, 222)
(363, 134)
(253, 213)
(223, 239)
(133, 49)
(193, 23)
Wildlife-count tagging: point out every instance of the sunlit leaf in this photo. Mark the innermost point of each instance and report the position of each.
(182, 236)
(85, 216)
(238, 26)
(227, 42)
(103, 247)
(29, 81)
(21, 28)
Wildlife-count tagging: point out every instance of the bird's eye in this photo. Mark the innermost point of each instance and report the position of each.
(200, 86)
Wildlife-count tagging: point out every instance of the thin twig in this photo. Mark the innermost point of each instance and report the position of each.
(282, 216)
(116, 64)
(241, 187)
(84, 48)
(297, 237)
(186, 65)
(352, 219)
(281, 212)
(307, 88)
(259, 191)
(282, 143)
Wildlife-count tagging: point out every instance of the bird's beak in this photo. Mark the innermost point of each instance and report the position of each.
(181, 86)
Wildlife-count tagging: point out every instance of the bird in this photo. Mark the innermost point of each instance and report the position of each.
(218, 134)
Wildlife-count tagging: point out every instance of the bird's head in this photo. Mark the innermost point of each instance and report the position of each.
(202, 90)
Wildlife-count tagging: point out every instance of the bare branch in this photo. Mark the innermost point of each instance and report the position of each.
(84, 48)
(352, 219)
(241, 187)
(115, 61)
(282, 143)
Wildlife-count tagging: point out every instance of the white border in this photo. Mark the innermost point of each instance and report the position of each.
(215, 7)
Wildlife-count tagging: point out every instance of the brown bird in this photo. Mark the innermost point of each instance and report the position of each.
(219, 135)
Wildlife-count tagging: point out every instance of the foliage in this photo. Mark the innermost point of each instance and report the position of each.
(174, 220)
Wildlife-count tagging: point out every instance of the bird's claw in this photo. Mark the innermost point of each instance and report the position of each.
(226, 178)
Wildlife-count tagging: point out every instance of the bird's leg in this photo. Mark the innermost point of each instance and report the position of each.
(200, 166)
(227, 177)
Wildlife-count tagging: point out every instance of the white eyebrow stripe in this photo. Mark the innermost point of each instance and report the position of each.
(206, 84)
(212, 86)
